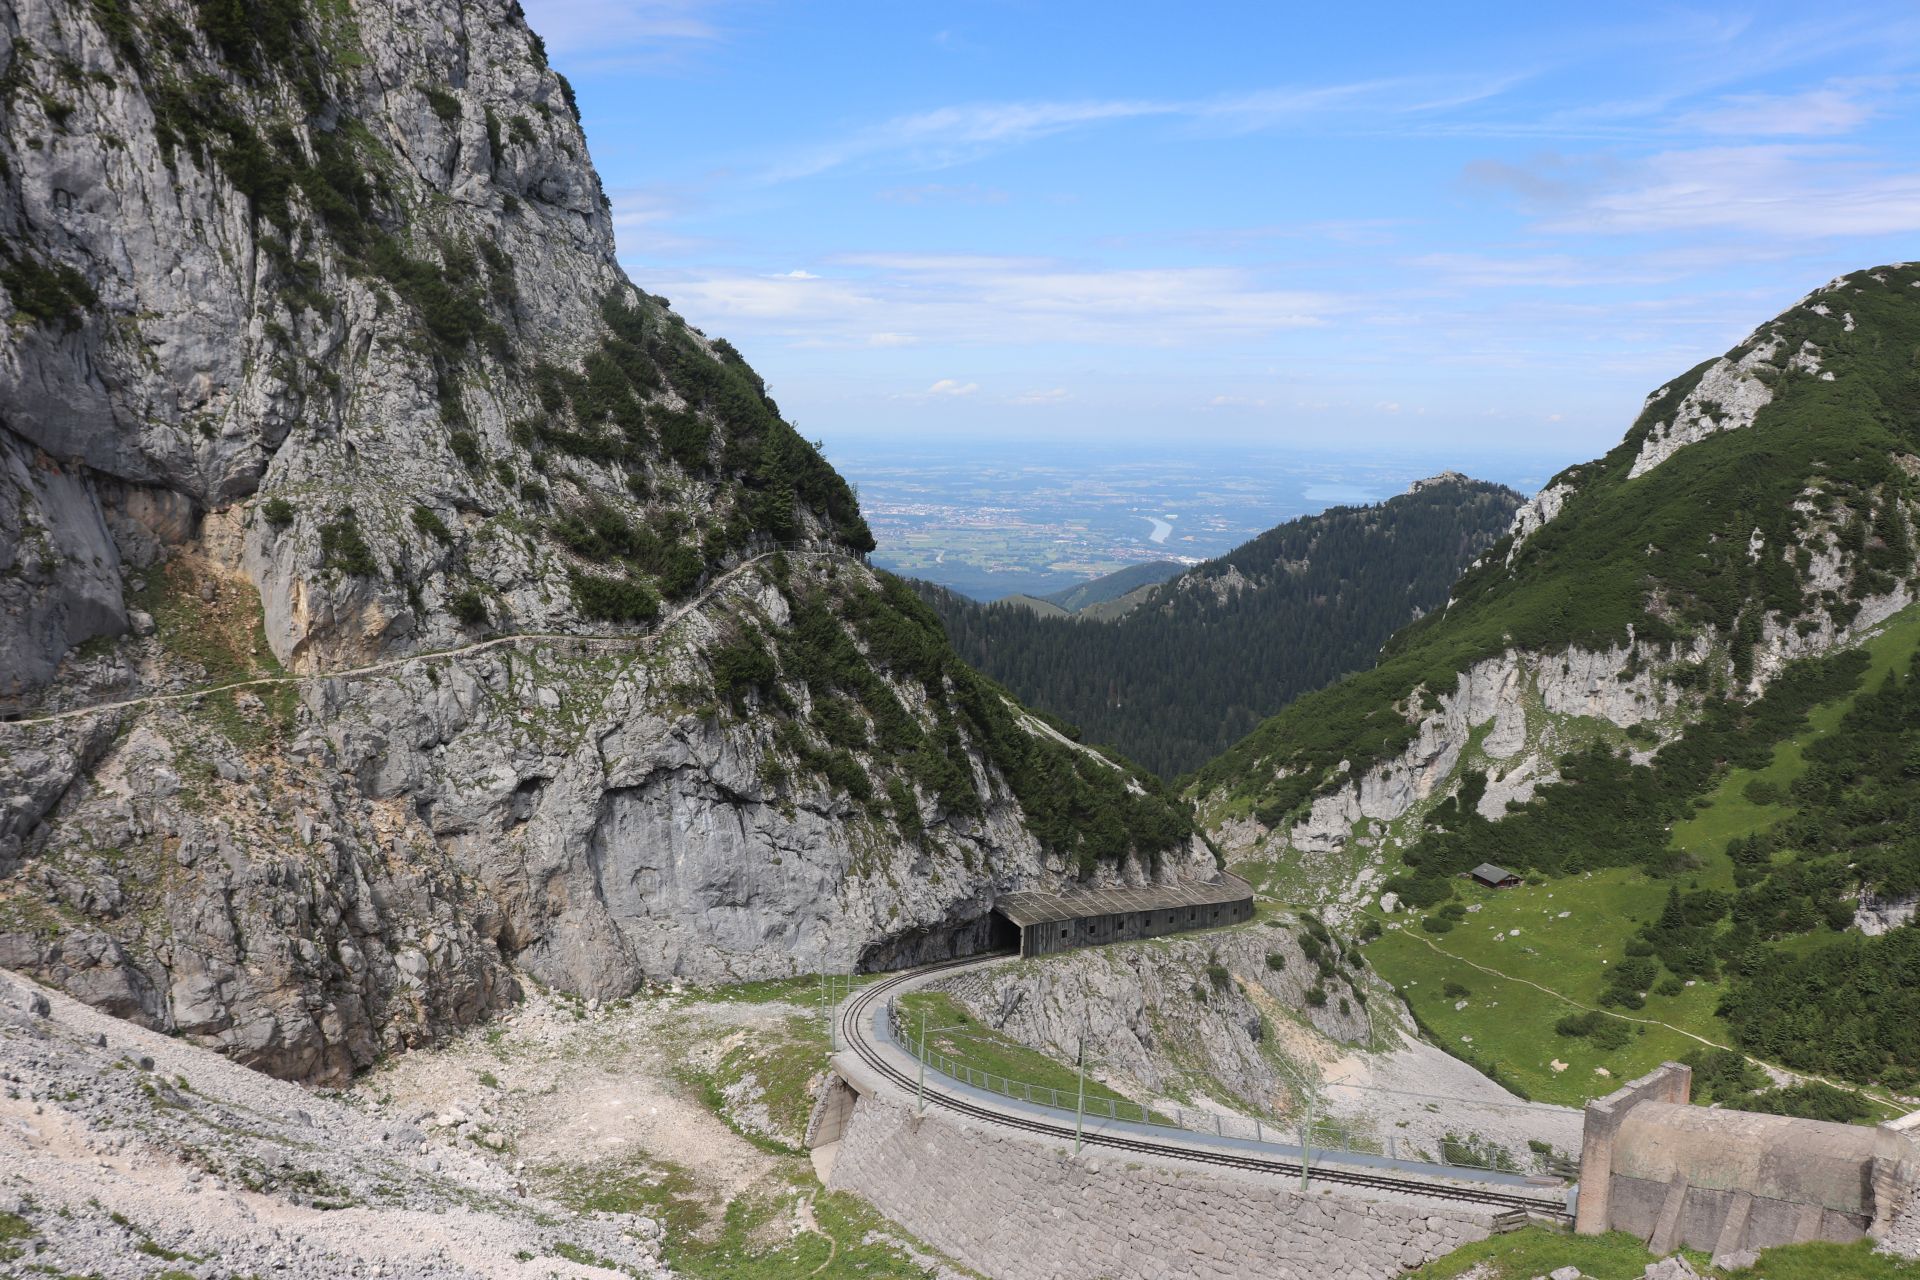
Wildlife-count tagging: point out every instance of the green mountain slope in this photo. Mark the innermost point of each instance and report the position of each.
(1741, 542)
(1201, 658)
(1679, 699)
(1112, 586)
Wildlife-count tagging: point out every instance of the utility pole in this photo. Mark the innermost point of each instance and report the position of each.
(1306, 1143)
(1080, 1101)
(920, 1091)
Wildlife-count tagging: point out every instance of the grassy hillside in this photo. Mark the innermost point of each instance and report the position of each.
(1692, 881)
(1112, 586)
(1498, 981)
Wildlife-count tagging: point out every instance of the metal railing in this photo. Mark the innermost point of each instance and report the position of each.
(1315, 1140)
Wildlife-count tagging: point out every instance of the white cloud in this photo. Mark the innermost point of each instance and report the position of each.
(953, 135)
(874, 299)
(892, 340)
(1814, 112)
(1052, 395)
(952, 387)
(608, 33)
(796, 275)
(1770, 190)
(1774, 189)
(1557, 271)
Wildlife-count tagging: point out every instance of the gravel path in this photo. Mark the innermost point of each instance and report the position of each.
(125, 1154)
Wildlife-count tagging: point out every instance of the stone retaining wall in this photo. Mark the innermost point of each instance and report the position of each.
(1020, 1209)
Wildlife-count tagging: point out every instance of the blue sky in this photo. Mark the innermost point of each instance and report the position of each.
(1365, 226)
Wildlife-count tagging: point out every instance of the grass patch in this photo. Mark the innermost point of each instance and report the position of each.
(1536, 1251)
(984, 1049)
(1511, 1023)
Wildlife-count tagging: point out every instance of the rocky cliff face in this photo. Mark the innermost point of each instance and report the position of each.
(1716, 544)
(320, 387)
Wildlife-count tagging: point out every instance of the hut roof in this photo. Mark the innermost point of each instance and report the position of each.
(1032, 907)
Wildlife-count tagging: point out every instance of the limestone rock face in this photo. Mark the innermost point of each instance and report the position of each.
(315, 359)
(1168, 1016)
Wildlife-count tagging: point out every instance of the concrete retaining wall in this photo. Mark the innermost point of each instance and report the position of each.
(1021, 1209)
(1727, 1181)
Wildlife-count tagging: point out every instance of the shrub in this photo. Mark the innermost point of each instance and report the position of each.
(469, 607)
(1455, 990)
(428, 521)
(741, 666)
(444, 104)
(1217, 974)
(612, 599)
(277, 512)
(46, 294)
(1317, 997)
(343, 547)
(1276, 961)
(466, 447)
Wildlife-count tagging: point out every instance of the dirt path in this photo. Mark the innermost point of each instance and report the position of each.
(430, 655)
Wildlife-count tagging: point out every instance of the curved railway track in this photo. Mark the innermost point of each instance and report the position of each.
(856, 1017)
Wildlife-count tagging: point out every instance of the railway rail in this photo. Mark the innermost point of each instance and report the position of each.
(856, 1023)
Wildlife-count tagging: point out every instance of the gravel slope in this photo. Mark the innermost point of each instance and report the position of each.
(125, 1154)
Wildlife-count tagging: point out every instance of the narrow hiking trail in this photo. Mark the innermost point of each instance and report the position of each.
(640, 641)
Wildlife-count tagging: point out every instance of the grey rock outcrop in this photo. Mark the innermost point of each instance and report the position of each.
(316, 356)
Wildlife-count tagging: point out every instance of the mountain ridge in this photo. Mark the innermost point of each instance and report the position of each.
(1651, 700)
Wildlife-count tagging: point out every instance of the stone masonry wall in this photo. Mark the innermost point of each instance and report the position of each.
(1018, 1208)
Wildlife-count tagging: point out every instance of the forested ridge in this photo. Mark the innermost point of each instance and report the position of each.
(1208, 655)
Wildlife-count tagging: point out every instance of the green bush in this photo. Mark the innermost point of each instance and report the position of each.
(428, 521)
(466, 447)
(1276, 960)
(1455, 990)
(612, 599)
(343, 547)
(277, 512)
(469, 607)
(46, 293)
(1217, 974)
(1317, 997)
(742, 666)
(444, 104)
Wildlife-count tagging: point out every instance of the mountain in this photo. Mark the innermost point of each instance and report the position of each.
(1679, 698)
(455, 612)
(1195, 662)
(1116, 586)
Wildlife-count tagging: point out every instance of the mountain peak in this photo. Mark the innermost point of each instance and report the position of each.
(1448, 476)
